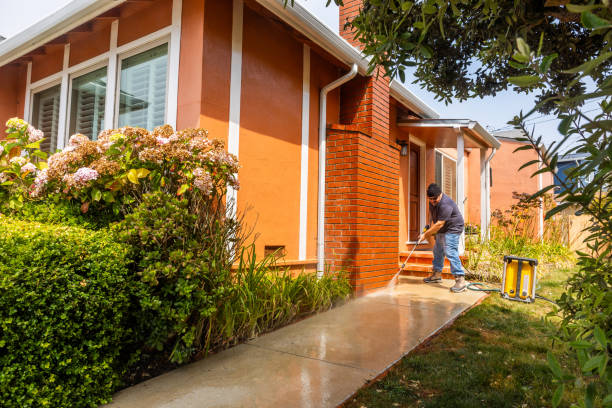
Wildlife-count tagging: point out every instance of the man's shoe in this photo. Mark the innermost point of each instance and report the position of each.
(436, 276)
(460, 284)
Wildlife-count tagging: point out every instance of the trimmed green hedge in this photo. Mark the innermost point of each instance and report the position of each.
(64, 299)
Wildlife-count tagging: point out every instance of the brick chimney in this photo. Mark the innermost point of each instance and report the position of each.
(362, 179)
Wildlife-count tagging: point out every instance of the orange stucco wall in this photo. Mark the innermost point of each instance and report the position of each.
(48, 64)
(507, 177)
(90, 45)
(150, 19)
(270, 133)
(12, 93)
(217, 55)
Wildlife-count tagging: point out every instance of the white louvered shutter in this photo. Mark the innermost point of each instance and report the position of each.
(45, 116)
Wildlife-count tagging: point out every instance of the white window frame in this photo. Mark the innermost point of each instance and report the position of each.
(138, 49)
(40, 88)
(77, 74)
(170, 34)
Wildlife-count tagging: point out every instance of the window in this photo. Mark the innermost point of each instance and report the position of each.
(87, 103)
(142, 92)
(45, 116)
(446, 175)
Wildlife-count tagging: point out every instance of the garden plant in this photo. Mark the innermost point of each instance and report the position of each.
(120, 259)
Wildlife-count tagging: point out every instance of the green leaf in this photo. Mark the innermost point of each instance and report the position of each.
(182, 189)
(426, 51)
(525, 147)
(565, 124)
(132, 175)
(589, 396)
(576, 8)
(582, 344)
(34, 145)
(608, 400)
(520, 57)
(407, 6)
(96, 194)
(600, 336)
(590, 20)
(546, 62)
(524, 81)
(558, 395)
(553, 364)
(429, 8)
(529, 163)
(523, 47)
(108, 197)
(593, 363)
(588, 66)
(516, 65)
(557, 209)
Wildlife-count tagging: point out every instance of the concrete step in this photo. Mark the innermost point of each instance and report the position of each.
(424, 271)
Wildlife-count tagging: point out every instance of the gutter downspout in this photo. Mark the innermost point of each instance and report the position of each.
(488, 176)
(322, 158)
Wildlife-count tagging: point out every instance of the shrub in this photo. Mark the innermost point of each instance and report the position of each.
(20, 161)
(63, 309)
(184, 277)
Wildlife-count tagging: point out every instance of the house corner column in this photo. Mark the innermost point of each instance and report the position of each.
(484, 222)
(461, 182)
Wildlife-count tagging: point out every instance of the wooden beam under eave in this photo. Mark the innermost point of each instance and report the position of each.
(83, 28)
(111, 14)
(61, 40)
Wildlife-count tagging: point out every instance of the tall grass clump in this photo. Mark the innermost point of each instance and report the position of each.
(265, 297)
(515, 232)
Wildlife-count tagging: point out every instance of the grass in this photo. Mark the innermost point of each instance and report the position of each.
(492, 356)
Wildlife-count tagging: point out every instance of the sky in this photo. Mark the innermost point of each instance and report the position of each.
(492, 112)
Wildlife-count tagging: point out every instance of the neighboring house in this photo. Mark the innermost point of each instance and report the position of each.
(334, 178)
(565, 164)
(506, 178)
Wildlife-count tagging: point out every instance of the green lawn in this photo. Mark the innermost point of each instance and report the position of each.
(492, 356)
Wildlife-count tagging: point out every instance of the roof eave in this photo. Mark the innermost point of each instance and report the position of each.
(72, 15)
(309, 25)
(471, 125)
(411, 101)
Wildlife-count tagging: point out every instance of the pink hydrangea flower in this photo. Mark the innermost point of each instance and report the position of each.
(18, 160)
(77, 139)
(85, 174)
(17, 123)
(28, 167)
(162, 140)
(1, 149)
(34, 135)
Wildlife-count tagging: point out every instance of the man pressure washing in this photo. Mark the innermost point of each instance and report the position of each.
(447, 226)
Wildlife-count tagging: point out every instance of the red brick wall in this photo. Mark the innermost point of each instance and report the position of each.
(348, 11)
(362, 206)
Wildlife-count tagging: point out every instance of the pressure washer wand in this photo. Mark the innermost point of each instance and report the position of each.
(406, 260)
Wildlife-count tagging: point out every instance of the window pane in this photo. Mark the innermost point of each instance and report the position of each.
(87, 104)
(45, 116)
(142, 97)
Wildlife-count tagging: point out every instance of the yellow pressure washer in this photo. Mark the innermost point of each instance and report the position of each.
(519, 279)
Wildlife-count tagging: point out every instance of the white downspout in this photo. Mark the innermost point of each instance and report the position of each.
(488, 176)
(322, 150)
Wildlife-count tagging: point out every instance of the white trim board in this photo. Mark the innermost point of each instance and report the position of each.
(233, 137)
(304, 153)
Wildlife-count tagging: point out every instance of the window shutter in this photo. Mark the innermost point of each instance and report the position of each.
(88, 103)
(450, 178)
(142, 99)
(45, 116)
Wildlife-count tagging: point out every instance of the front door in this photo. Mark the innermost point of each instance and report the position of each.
(415, 188)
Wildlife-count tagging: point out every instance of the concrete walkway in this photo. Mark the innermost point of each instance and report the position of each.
(318, 362)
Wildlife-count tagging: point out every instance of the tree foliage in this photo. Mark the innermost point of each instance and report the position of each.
(460, 48)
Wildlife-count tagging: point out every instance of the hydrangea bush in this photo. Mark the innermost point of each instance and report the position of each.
(21, 161)
(124, 164)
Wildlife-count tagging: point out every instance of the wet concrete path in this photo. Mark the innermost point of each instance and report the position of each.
(317, 362)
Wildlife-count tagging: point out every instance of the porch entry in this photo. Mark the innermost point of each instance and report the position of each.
(414, 177)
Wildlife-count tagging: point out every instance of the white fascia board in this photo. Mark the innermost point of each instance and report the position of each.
(72, 15)
(309, 25)
(411, 101)
(482, 132)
